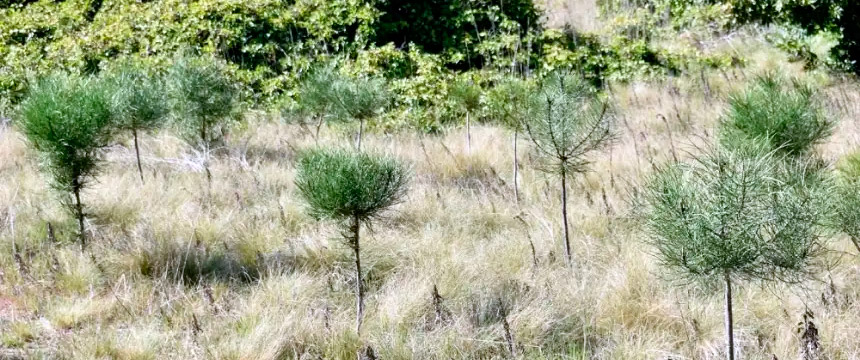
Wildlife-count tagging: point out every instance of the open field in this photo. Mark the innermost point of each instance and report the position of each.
(176, 270)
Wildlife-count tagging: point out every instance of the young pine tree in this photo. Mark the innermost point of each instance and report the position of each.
(734, 216)
(204, 101)
(466, 97)
(351, 188)
(508, 103)
(566, 122)
(359, 99)
(138, 103)
(785, 116)
(67, 120)
(315, 98)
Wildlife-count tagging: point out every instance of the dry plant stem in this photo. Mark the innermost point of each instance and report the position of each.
(137, 155)
(671, 139)
(317, 131)
(730, 339)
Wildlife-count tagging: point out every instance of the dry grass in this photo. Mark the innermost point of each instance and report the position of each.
(242, 274)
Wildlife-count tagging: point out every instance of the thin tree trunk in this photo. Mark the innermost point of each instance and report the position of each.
(564, 217)
(79, 212)
(516, 168)
(208, 176)
(360, 133)
(855, 242)
(468, 134)
(359, 283)
(204, 137)
(730, 339)
(137, 154)
(317, 132)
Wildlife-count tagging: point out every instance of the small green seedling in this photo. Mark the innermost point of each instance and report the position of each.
(508, 103)
(359, 99)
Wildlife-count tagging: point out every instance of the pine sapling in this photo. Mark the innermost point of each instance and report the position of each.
(67, 120)
(315, 98)
(566, 122)
(784, 116)
(508, 104)
(358, 99)
(138, 103)
(466, 97)
(204, 102)
(737, 215)
(352, 188)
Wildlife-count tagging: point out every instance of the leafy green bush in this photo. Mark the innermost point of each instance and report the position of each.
(138, 102)
(67, 119)
(787, 115)
(450, 27)
(204, 100)
(261, 40)
(351, 188)
(268, 44)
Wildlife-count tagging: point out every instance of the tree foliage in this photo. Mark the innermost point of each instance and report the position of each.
(338, 184)
(67, 119)
(204, 100)
(567, 121)
(753, 217)
(786, 115)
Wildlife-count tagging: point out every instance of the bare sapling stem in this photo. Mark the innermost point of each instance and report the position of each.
(137, 155)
